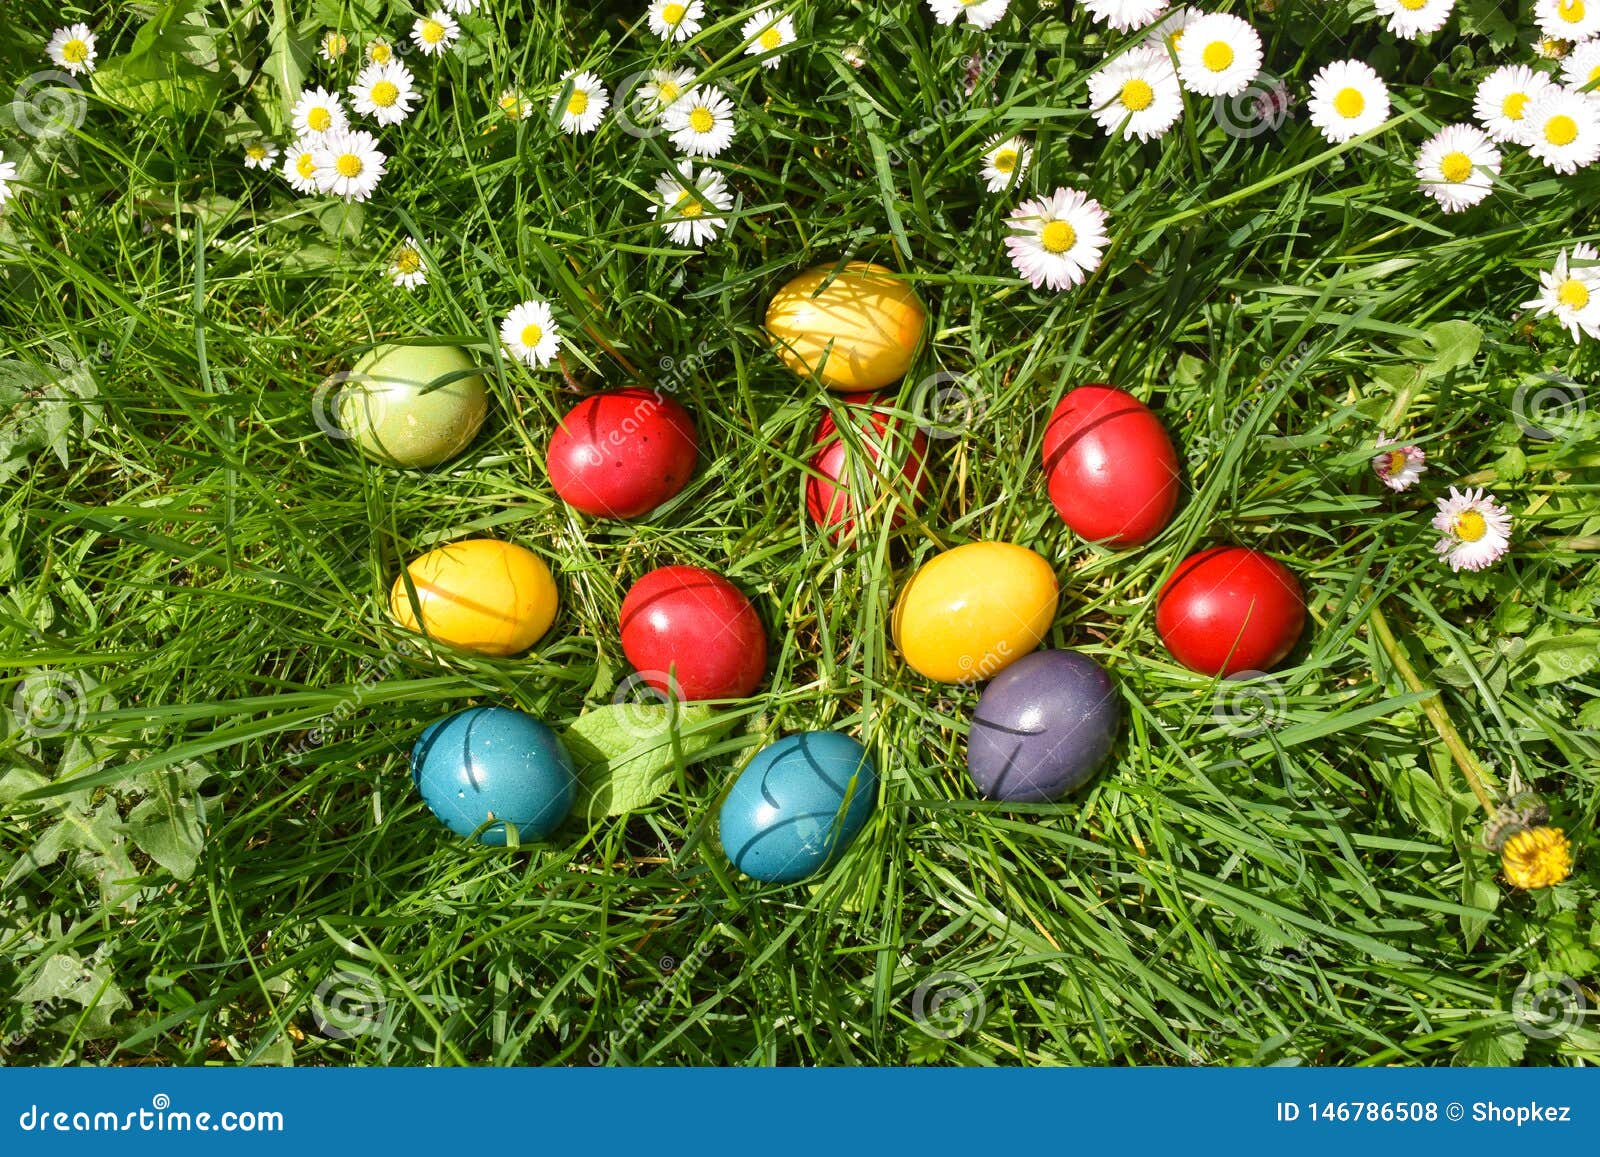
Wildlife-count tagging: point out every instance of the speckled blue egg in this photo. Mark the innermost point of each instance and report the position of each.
(1042, 727)
(494, 764)
(787, 814)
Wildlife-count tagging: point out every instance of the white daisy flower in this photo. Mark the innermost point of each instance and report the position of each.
(1347, 99)
(675, 19)
(1502, 100)
(979, 13)
(435, 32)
(333, 46)
(1457, 166)
(1476, 529)
(1057, 240)
(379, 52)
(1218, 55)
(406, 267)
(700, 121)
(1409, 19)
(691, 206)
(1570, 292)
(300, 167)
(1581, 69)
(260, 154)
(1575, 20)
(1398, 467)
(348, 164)
(384, 92)
(767, 32)
(663, 87)
(1125, 15)
(1137, 93)
(72, 48)
(1005, 160)
(1167, 33)
(318, 111)
(459, 7)
(531, 334)
(515, 105)
(1564, 129)
(1551, 48)
(583, 101)
(8, 173)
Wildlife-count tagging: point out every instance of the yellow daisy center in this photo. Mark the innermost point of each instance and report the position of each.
(320, 119)
(1470, 526)
(511, 104)
(1511, 108)
(1573, 293)
(771, 39)
(688, 205)
(305, 166)
(532, 334)
(335, 44)
(1413, 5)
(1456, 167)
(407, 261)
(379, 53)
(1349, 102)
(1175, 39)
(1137, 94)
(348, 165)
(1572, 11)
(1217, 56)
(1560, 130)
(256, 152)
(1594, 75)
(668, 91)
(1005, 160)
(1058, 236)
(673, 13)
(432, 31)
(1396, 461)
(701, 120)
(385, 93)
(75, 51)
(579, 104)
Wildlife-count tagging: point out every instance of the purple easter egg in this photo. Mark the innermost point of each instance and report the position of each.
(1042, 727)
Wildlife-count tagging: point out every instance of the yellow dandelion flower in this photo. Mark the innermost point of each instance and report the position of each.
(1536, 858)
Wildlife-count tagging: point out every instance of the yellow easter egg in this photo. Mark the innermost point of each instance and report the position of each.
(973, 611)
(857, 332)
(479, 594)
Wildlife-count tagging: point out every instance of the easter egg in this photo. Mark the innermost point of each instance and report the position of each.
(1042, 727)
(1110, 467)
(857, 329)
(412, 405)
(1229, 609)
(621, 454)
(828, 497)
(797, 805)
(972, 611)
(478, 594)
(692, 633)
(494, 764)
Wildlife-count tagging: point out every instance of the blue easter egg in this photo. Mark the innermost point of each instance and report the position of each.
(494, 763)
(786, 816)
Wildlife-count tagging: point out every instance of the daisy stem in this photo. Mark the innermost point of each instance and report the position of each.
(1433, 706)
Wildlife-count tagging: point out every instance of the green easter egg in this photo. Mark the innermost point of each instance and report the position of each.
(413, 405)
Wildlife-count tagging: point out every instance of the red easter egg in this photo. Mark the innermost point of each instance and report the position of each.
(1110, 467)
(1229, 609)
(828, 500)
(698, 627)
(621, 454)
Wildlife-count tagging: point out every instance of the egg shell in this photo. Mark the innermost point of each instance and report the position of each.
(693, 634)
(1110, 467)
(860, 331)
(972, 611)
(479, 594)
(413, 405)
(828, 498)
(1042, 727)
(1230, 609)
(494, 763)
(623, 453)
(786, 816)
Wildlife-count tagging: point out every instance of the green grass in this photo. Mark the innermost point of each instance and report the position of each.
(214, 571)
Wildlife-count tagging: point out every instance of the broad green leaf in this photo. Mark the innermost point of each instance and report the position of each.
(342, 222)
(157, 85)
(625, 756)
(1561, 659)
(1455, 344)
(167, 829)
